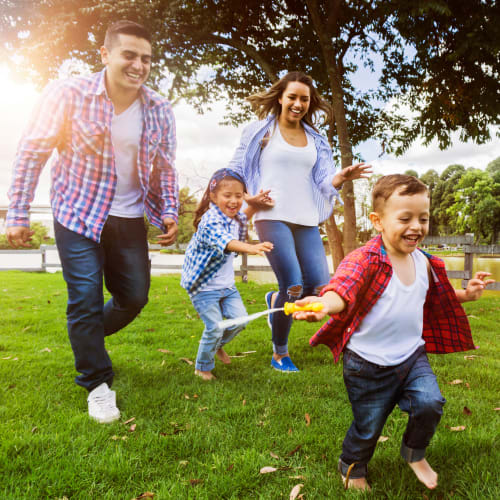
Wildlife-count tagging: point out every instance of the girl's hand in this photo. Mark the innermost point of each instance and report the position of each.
(310, 315)
(358, 171)
(476, 285)
(260, 248)
(261, 200)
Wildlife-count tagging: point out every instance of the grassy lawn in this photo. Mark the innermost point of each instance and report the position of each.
(201, 440)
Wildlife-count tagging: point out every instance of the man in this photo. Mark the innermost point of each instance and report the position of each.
(109, 129)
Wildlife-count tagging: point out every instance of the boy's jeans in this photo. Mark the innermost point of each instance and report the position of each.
(214, 306)
(122, 258)
(299, 262)
(374, 391)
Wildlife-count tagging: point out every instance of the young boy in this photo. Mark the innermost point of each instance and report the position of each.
(390, 304)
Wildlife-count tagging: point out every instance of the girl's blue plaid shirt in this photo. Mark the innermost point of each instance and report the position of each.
(206, 252)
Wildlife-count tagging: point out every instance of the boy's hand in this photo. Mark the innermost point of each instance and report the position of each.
(310, 315)
(261, 200)
(260, 248)
(476, 285)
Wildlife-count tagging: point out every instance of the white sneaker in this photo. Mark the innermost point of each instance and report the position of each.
(102, 404)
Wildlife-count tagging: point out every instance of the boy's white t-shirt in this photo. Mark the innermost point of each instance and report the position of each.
(392, 330)
(126, 130)
(224, 277)
(286, 171)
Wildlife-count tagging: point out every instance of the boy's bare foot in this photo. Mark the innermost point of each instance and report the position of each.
(223, 356)
(359, 483)
(205, 375)
(425, 474)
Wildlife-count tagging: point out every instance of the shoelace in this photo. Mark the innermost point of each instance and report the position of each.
(104, 401)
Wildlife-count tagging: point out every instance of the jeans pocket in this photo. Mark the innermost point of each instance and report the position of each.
(353, 363)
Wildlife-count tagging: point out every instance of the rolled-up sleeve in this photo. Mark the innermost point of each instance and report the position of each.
(35, 147)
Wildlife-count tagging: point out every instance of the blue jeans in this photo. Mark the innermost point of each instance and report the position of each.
(122, 258)
(374, 391)
(299, 262)
(214, 306)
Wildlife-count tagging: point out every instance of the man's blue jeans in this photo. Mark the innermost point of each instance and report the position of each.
(122, 258)
(374, 391)
(214, 306)
(299, 262)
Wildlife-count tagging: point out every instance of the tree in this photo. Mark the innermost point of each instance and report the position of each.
(248, 44)
(477, 206)
(443, 196)
(431, 179)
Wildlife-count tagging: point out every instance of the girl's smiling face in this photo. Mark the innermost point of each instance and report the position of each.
(228, 196)
(403, 222)
(295, 102)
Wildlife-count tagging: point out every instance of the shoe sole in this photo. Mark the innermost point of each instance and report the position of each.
(106, 420)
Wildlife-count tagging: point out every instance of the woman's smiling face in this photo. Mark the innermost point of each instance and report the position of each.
(295, 102)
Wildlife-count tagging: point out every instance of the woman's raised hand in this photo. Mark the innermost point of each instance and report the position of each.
(358, 171)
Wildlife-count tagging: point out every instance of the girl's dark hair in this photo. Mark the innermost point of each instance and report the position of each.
(213, 187)
(267, 101)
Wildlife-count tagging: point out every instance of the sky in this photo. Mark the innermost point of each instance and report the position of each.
(204, 146)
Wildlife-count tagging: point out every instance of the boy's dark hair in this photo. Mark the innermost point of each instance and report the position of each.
(126, 28)
(387, 184)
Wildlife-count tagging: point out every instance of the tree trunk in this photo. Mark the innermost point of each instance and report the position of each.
(334, 241)
(334, 77)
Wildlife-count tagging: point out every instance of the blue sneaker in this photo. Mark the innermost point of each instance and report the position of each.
(284, 365)
(269, 298)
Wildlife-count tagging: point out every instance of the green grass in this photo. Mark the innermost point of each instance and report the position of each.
(209, 440)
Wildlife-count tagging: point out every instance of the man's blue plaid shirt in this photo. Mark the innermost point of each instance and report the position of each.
(206, 252)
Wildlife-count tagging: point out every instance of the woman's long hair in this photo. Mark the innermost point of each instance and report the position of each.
(267, 102)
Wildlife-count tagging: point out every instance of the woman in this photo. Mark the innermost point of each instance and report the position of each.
(284, 152)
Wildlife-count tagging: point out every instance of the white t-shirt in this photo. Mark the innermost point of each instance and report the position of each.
(126, 130)
(224, 277)
(286, 170)
(392, 331)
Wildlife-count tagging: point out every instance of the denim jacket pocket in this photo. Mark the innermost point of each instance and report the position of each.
(88, 138)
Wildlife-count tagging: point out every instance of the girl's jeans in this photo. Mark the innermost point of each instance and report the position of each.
(299, 262)
(374, 391)
(214, 306)
(122, 258)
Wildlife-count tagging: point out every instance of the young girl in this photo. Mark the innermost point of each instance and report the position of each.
(207, 273)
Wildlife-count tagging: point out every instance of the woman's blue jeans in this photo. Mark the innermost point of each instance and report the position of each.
(214, 306)
(122, 258)
(299, 262)
(374, 391)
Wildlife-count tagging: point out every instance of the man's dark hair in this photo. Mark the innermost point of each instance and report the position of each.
(126, 28)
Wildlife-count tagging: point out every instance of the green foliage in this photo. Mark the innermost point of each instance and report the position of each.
(439, 58)
(209, 440)
(476, 208)
(187, 207)
(40, 237)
